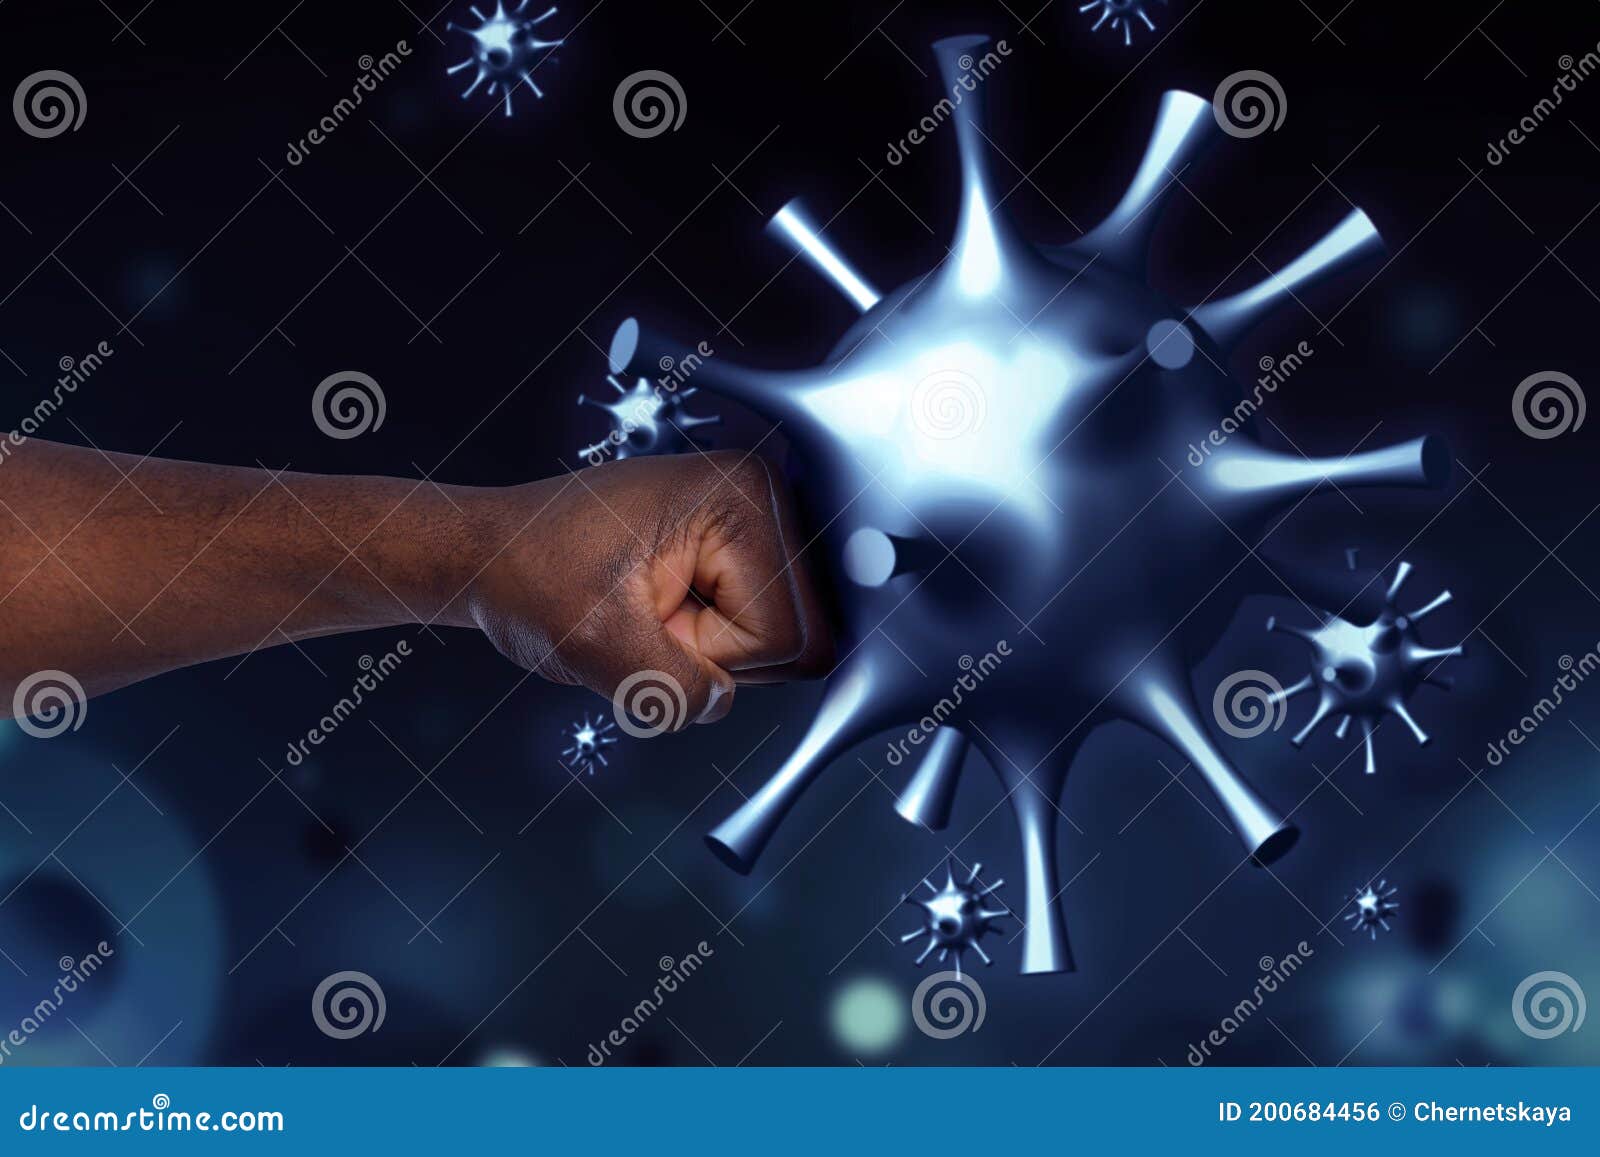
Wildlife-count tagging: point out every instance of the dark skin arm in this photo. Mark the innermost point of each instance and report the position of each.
(114, 569)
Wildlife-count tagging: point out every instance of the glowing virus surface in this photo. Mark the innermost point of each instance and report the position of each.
(1121, 15)
(645, 419)
(505, 51)
(587, 742)
(1371, 907)
(1364, 671)
(956, 916)
(985, 456)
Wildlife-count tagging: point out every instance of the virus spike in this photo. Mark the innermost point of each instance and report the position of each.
(1184, 126)
(1422, 656)
(1044, 938)
(915, 933)
(795, 226)
(1439, 600)
(850, 711)
(1257, 472)
(1290, 692)
(1401, 573)
(931, 791)
(1323, 709)
(1155, 704)
(1343, 729)
(932, 944)
(774, 395)
(1366, 740)
(1306, 633)
(1351, 240)
(983, 240)
(1399, 708)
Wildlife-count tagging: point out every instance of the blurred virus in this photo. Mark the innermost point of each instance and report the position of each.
(986, 455)
(1371, 907)
(1121, 15)
(868, 1016)
(956, 916)
(645, 419)
(1366, 671)
(505, 51)
(588, 741)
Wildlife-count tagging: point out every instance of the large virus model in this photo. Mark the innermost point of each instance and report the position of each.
(1371, 907)
(505, 50)
(956, 916)
(1120, 15)
(988, 455)
(1365, 671)
(645, 419)
(587, 742)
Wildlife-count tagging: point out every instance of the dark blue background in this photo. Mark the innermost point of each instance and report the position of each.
(525, 244)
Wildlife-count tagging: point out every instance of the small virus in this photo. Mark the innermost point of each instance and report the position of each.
(589, 740)
(504, 48)
(1367, 671)
(956, 917)
(1371, 908)
(1120, 14)
(645, 419)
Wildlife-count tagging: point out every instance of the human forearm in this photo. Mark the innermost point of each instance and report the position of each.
(116, 579)
(113, 569)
